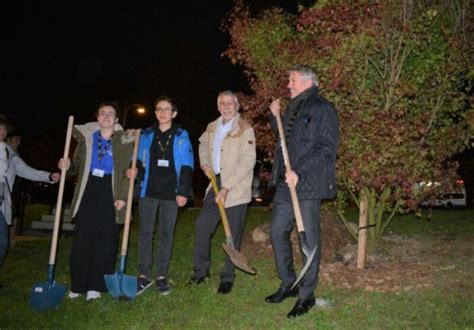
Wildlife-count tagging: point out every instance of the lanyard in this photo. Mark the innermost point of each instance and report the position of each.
(163, 149)
(102, 152)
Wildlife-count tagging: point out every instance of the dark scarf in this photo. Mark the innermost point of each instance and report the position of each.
(293, 109)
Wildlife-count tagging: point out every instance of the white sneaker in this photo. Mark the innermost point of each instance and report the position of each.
(93, 295)
(73, 295)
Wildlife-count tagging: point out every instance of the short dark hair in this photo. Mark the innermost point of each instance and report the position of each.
(112, 104)
(4, 122)
(174, 108)
(13, 133)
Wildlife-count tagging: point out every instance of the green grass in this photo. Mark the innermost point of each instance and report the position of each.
(199, 307)
(33, 212)
(441, 222)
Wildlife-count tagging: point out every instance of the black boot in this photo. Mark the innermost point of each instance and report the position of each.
(225, 287)
(301, 307)
(281, 295)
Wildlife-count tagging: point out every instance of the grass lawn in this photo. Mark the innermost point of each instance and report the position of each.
(199, 307)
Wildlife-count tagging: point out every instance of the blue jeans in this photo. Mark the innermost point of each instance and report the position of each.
(3, 238)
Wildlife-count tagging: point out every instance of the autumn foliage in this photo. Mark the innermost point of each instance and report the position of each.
(399, 74)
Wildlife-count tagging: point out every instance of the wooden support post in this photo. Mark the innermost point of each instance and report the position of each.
(362, 235)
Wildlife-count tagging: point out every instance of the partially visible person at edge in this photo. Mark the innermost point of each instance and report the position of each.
(14, 141)
(227, 147)
(165, 162)
(12, 165)
(311, 129)
(101, 160)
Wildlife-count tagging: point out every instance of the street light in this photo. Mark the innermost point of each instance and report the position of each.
(140, 109)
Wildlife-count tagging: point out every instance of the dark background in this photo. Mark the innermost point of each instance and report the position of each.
(62, 58)
(69, 56)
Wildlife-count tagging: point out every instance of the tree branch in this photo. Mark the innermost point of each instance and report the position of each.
(390, 217)
(439, 102)
(346, 224)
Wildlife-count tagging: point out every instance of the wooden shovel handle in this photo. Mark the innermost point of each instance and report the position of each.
(128, 210)
(59, 202)
(225, 221)
(286, 159)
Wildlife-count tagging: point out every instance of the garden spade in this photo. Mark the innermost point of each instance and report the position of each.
(120, 286)
(47, 295)
(237, 258)
(308, 253)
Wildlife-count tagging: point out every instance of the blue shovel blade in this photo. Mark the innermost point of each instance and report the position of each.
(121, 286)
(46, 295)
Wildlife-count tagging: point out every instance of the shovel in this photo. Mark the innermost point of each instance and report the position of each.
(307, 252)
(47, 295)
(120, 286)
(237, 258)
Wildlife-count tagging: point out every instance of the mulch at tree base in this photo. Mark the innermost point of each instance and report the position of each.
(406, 263)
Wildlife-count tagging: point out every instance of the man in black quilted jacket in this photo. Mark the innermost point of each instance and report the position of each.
(311, 131)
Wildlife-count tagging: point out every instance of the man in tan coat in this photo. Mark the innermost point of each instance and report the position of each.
(227, 147)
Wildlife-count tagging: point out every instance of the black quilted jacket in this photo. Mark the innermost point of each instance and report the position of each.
(312, 145)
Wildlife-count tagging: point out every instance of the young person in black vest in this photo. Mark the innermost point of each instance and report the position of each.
(165, 157)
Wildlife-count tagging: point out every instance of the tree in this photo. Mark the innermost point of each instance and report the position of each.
(399, 73)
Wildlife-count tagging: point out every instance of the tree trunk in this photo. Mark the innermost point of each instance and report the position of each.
(362, 233)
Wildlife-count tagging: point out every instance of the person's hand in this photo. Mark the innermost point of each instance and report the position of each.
(291, 178)
(119, 204)
(64, 164)
(55, 177)
(181, 200)
(207, 170)
(132, 173)
(222, 195)
(275, 107)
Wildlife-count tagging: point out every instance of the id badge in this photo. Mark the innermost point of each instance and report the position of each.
(163, 163)
(98, 172)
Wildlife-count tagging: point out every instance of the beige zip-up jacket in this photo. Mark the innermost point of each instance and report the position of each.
(238, 156)
(122, 145)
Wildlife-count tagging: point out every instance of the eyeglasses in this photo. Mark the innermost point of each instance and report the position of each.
(226, 104)
(163, 110)
(106, 114)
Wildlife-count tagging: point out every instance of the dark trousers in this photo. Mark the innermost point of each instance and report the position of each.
(206, 225)
(168, 212)
(282, 224)
(94, 246)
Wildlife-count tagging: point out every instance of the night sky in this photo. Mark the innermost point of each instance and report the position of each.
(63, 58)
